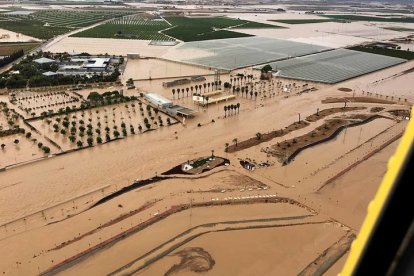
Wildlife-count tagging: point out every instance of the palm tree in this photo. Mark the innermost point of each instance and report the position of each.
(204, 85)
(196, 88)
(16, 141)
(207, 101)
(238, 107)
(225, 111)
(178, 92)
(208, 84)
(187, 89)
(3, 146)
(226, 146)
(173, 92)
(192, 89)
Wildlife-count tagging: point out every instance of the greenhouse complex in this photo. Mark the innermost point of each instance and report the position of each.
(289, 59)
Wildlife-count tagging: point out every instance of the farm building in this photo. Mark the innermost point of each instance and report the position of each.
(167, 106)
(158, 100)
(176, 82)
(44, 60)
(97, 64)
(87, 66)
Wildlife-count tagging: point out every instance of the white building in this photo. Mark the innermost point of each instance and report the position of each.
(158, 100)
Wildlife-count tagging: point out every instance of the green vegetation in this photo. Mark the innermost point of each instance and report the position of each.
(142, 27)
(371, 18)
(399, 29)
(46, 24)
(303, 21)
(147, 27)
(385, 52)
(9, 48)
(195, 29)
(33, 28)
(31, 74)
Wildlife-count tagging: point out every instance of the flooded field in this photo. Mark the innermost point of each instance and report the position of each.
(102, 124)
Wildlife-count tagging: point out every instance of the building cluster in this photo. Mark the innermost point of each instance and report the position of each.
(81, 65)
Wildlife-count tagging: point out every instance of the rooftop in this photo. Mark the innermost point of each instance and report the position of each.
(44, 60)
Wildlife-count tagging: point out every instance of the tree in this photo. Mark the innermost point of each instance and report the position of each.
(116, 133)
(79, 143)
(46, 149)
(173, 92)
(226, 146)
(266, 68)
(3, 146)
(238, 107)
(72, 138)
(225, 111)
(99, 140)
(258, 136)
(28, 135)
(89, 141)
(235, 141)
(16, 141)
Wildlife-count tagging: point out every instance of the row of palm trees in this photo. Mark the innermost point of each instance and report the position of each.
(214, 85)
(231, 109)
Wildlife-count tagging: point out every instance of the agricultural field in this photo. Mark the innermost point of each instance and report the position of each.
(9, 48)
(102, 124)
(195, 29)
(350, 17)
(145, 27)
(385, 52)
(142, 27)
(35, 104)
(303, 21)
(45, 24)
(399, 29)
(18, 142)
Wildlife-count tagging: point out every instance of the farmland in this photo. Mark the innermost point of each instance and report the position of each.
(303, 21)
(195, 29)
(45, 24)
(130, 27)
(385, 52)
(9, 48)
(144, 27)
(370, 18)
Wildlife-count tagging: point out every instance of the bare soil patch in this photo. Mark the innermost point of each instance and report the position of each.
(376, 109)
(326, 112)
(194, 259)
(258, 139)
(356, 100)
(288, 149)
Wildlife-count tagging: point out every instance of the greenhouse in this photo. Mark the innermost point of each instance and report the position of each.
(233, 53)
(333, 66)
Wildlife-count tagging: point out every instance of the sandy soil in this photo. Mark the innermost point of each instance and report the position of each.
(107, 45)
(15, 37)
(347, 198)
(155, 68)
(277, 246)
(47, 201)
